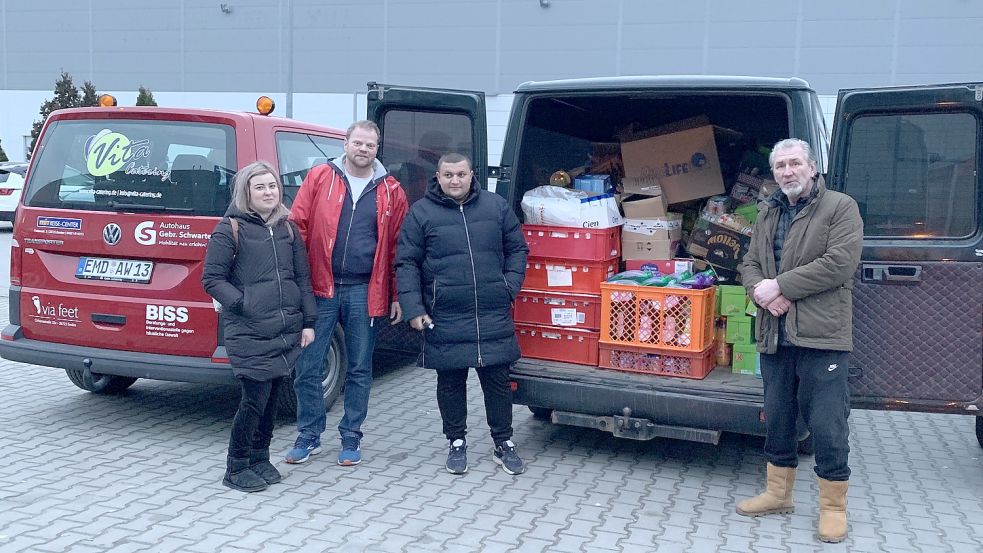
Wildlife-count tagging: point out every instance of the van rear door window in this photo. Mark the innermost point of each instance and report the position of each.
(120, 165)
(914, 176)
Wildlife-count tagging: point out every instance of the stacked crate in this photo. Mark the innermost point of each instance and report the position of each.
(558, 310)
(653, 330)
(737, 309)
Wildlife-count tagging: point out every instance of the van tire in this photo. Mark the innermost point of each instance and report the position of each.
(979, 430)
(101, 383)
(335, 367)
(541, 413)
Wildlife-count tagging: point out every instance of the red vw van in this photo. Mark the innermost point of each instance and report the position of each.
(109, 241)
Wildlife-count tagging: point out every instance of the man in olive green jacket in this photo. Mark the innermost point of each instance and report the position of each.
(799, 271)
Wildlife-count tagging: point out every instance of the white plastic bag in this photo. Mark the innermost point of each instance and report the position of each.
(552, 205)
(563, 207)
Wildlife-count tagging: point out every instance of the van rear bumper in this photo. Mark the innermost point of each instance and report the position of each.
(718, 403)
(178, 368)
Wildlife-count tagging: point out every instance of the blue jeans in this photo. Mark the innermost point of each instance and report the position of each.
(350, 307)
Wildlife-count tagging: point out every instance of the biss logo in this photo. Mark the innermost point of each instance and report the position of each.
(167, 313)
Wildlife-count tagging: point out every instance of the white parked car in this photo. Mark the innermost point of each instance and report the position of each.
(11, 185)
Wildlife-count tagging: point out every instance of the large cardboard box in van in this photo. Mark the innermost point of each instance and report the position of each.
(683, 163)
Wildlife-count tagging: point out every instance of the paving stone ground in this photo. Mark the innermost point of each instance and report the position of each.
(141, 472)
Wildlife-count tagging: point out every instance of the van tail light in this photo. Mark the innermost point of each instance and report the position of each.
(6, 191)
(16, 264)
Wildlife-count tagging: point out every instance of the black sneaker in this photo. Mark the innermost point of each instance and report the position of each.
(506, 456)
(457, 457)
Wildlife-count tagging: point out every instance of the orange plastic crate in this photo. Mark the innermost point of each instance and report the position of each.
(573, 243)
(564, 275)
(556, 343)
(683, 364)
(558, 309)
(674, 319)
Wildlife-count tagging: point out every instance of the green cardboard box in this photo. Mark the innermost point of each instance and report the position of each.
(740, 329)
(733, 300)
(752, 309)
(746, 360)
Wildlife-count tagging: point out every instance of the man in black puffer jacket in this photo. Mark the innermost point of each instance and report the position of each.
(460, 262)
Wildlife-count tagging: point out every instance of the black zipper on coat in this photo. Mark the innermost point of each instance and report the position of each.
(474, 279)
(279, 285)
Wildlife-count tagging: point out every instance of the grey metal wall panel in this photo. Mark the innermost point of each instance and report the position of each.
(662, 61)
(491, 45)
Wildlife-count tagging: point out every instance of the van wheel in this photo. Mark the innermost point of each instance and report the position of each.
(101, 383)
(335, 366)
(541, 413)
(979, 430)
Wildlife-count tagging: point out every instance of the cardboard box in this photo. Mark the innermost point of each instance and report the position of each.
(644, 207)
(733, 300)
(649, 185)
(669, 227)
(684, 163)
(724, 276)
(719, 245)
(746, 359)
(595, 184)
(740, 329)
(648, 248)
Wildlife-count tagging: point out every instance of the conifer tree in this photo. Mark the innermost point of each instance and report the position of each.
(90, 98)
(66, 96)
(145, 98)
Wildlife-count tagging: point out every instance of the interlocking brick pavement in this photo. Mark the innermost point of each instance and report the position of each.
(141, 472)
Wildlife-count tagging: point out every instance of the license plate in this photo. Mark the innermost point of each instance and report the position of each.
(118, 270)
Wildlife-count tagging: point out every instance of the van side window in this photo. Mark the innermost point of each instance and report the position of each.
(415, 140)
(298, 153)
(914, 175)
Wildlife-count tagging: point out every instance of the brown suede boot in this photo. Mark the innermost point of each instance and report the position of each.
(832, 511)
(777, 497)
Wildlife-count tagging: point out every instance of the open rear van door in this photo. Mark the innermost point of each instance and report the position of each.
(911, 158)
(421, 124)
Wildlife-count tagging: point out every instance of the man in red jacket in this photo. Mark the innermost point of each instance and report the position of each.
(349, 211)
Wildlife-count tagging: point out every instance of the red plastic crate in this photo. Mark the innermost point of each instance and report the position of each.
(662, 362)
(555, 343)
(573, 243)
(558, 309)
(676, 319)
(563, 275)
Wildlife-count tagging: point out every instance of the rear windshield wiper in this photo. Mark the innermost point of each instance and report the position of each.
(147, 207)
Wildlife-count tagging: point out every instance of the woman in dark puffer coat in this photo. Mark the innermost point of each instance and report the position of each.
(256, 270)
(460, 263)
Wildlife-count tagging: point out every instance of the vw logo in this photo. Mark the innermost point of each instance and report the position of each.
(111, 234)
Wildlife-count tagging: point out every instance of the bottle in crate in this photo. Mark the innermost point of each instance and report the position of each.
(648, 321)
(622, 325)
(723, 350)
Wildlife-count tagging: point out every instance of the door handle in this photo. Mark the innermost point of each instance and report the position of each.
(101, 318)
(886, 274)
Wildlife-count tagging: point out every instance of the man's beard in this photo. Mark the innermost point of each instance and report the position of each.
(793, 190)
